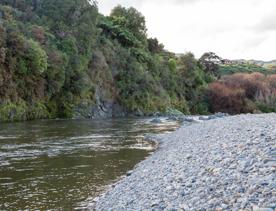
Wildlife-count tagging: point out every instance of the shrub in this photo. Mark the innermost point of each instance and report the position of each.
(13, 112)
(36, 56)
(225, 99)
(240, 93)
(59, 53)
(38, 111)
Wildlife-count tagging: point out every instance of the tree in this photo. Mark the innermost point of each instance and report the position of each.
(36, 57)
(131, 19)
(154, 46)
(188, 63)
(172, 65)
(210, 63)
(2, 44)
(36, 4)
(59, 53)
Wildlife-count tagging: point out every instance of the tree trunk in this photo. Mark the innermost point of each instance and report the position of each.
(34, 5)
(14, 3)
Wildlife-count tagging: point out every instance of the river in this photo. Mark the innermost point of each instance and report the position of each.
(64, 164)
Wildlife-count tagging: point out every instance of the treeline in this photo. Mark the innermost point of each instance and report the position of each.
(61, 55)
(62, 59)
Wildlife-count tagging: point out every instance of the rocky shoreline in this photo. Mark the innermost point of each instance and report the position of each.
(220, 164)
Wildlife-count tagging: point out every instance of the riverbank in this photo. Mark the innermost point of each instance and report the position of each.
(221, 164)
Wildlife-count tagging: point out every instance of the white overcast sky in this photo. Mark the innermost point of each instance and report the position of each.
(233, 29)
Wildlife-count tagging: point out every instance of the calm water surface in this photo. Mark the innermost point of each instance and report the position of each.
(64, 164)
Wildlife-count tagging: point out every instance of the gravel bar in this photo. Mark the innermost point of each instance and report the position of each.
(222, 164)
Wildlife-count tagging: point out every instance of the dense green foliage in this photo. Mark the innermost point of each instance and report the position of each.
(58, 54)
(61, 58)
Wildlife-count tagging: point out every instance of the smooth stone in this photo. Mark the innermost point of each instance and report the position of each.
(204, 118)
(255, 208)
(156, 120)
(215, 165)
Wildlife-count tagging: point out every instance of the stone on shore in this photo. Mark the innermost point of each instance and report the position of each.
(156, 121)
(220, 164)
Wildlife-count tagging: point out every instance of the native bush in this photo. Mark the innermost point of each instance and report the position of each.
(56, 54)
(241, 92)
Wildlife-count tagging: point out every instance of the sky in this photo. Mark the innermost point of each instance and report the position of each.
(234, 29)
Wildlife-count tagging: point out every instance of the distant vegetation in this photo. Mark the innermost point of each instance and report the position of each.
(228, 69)
(59, 56)
(269, 65)
(243, 93)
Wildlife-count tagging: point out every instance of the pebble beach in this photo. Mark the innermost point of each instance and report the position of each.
(221, 164)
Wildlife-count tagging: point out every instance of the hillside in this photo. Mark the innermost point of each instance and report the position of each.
(270, 65)
(266, 64)
(62, 59)
(228, 69)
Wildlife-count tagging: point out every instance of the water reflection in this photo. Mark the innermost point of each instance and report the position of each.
(60, 164)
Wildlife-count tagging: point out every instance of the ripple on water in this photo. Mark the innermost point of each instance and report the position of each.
(94, 136)
(5, 178)
(54, 163)
(15, 146)
(23, 170)
(4, 163)
(8, 184)
(7, 137)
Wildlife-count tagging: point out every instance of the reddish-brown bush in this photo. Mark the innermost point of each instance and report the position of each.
(272, 81)
(39, 34)
(250, 83)
(226, 99)
(241, 93)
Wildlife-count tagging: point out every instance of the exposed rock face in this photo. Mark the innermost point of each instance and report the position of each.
(99, 111)
(90, 111)
(102, 108)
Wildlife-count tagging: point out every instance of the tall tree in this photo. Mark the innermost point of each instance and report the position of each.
(210, 63)
(130, 18)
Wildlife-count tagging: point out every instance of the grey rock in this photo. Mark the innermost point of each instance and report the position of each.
(204, 118)
(255, 208)
(129, 173)
(189, 119)
(156, 121)
(173, 118)
(220, 115)
(138, 113)
(221, 164)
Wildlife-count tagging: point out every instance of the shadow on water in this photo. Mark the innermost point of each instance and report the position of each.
(62, 164)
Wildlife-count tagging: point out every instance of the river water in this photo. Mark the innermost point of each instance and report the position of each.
(64, 164)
